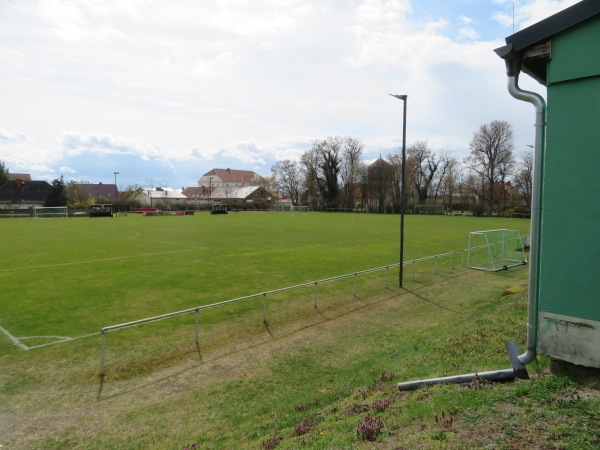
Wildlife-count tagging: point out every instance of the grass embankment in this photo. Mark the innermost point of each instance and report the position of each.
(321, 378)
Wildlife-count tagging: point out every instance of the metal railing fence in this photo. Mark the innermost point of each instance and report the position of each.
(196, 310)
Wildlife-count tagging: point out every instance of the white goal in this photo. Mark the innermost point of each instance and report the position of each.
(49, 212)
(434, 210)
(299, 210)
(495, 250)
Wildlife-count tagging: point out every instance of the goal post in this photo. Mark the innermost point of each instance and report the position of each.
(299, 210)
(495, 250)
(49, 212)
(434, 210)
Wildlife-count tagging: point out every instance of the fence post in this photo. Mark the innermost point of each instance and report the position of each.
(197, 337)
(315, 294)
(265, 308)
(435, 265)
(386, 276)
(414, 263)
(355, 284)
(102, 353)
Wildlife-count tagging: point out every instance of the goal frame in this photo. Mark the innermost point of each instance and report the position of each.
(299, 210)
(49, 212)
(510, 253)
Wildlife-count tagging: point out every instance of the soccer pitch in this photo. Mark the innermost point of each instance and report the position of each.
(70, 277)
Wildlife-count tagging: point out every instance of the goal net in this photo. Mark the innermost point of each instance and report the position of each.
(49, 212)
(495, 250)
(435, 210)
(299, 210)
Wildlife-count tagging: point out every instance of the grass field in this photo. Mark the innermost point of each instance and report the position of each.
(71, 277)
(306, 379)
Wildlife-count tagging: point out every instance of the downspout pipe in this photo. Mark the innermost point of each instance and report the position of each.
(513, 68)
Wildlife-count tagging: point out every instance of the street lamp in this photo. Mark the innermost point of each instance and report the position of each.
(116, 191)
(402, 188)
(209, 191)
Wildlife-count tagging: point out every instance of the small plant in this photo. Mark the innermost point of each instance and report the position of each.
(362, 393)
(382, 405)
(300, 407)
(445, 421)
(370, 428)
(271, 442)
(303, 428)
(386, 376)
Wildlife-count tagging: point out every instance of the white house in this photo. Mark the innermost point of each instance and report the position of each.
(229, 178)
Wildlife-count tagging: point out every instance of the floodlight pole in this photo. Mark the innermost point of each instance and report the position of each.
(402, 188)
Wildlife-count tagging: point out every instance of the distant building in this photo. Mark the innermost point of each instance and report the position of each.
(166, 199)
(21, 192)
(101, 193)
(243, 197)
(230, 178)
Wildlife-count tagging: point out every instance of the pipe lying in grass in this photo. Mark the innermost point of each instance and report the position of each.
(518, 371)
(495, 375)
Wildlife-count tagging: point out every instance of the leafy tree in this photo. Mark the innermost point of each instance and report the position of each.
(491, 156)
(288, 179)
(322, 164)
(3, 173)
(58, 193)
(131, 196)
(78, 195)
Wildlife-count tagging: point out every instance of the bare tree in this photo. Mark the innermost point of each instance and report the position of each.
(288, 178)
(446, 165)
(523, 178)
(424, 164)
(351, 154)
(491, 153)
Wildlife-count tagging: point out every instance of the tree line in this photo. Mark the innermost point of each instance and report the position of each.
(333, 175)
(490, 180)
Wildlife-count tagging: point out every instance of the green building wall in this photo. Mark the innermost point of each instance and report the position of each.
(569, 277)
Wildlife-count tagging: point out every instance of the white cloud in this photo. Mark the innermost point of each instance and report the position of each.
(96, 83)
(465, 20)
(468, 33)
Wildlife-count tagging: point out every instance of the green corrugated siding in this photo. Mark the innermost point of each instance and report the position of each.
(570, 251)
(575, 53)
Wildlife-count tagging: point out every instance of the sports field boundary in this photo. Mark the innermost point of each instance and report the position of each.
(265, 294)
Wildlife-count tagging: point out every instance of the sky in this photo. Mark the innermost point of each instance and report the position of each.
(164, 91)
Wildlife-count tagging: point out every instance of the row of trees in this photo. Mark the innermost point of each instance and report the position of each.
(332, 174)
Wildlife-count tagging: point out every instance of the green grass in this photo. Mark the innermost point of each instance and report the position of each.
(72, 277)
(310, 376)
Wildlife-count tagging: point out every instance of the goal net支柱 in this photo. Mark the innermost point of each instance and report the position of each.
(299, 210)
(49, 212)
(495, 250)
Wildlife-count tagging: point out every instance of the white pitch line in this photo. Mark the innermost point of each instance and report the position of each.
(62, 340)
(13, 339)
(45, 266)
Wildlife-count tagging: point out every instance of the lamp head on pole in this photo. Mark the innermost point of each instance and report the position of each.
(401, 97)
